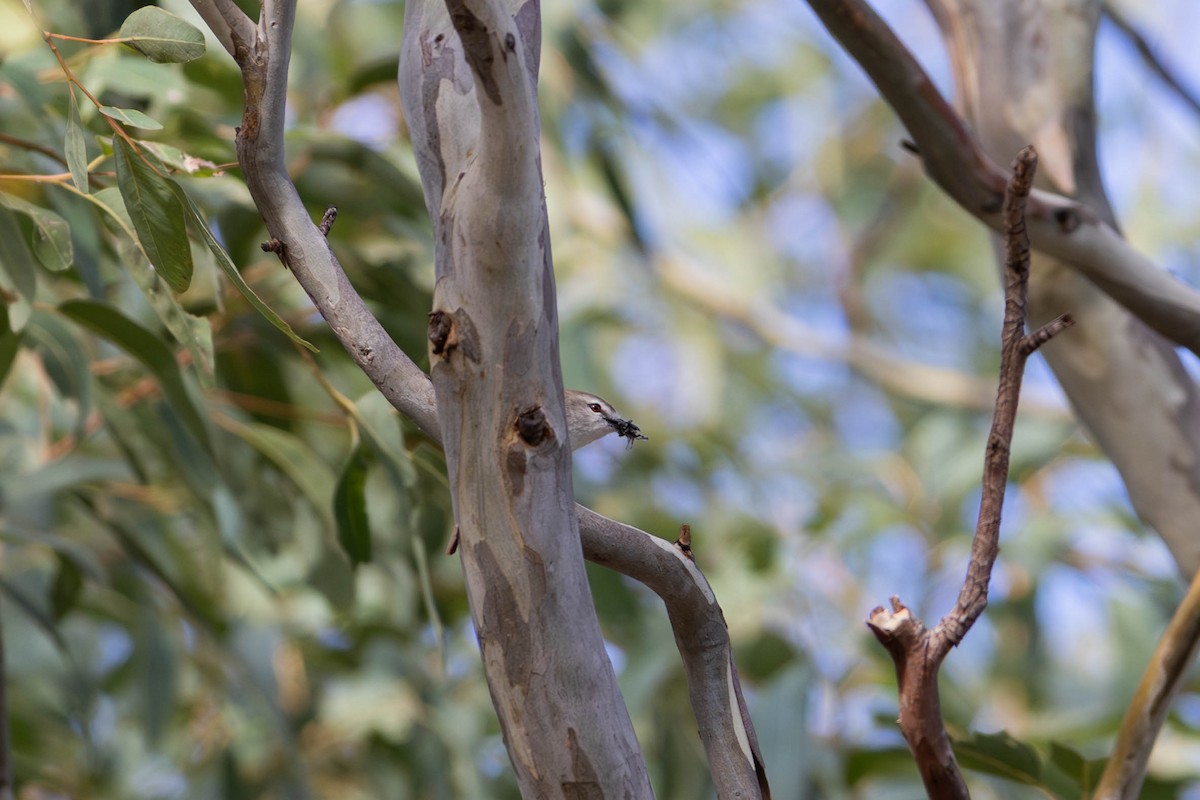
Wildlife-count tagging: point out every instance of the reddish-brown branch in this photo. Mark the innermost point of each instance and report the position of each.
(916, 651)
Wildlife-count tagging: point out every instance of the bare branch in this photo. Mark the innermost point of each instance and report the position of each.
(761, 316)
(917, 652)
(227, 22)
(703, 641)
(1058, 226)
(1156, 693)
(1152, 59)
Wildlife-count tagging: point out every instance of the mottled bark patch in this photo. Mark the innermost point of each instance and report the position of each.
(588, 785)
(502, 625)
(477, 48)
(515, 467)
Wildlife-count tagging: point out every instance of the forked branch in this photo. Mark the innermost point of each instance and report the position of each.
(918, 652)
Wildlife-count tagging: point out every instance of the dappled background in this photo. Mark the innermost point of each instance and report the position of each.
(750, 265)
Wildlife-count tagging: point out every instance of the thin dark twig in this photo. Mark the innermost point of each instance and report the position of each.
(916, 651)
(25, 144)
(1152, 59)
(1015, 349)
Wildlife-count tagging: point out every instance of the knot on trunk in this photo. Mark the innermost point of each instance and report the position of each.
(533, 427)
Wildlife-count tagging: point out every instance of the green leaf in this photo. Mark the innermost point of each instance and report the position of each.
(380, 428)
(1000, 754)
(161, 36)
(192, 332)
(132, 117)
(18, 276)
(296, 460)
(350, 507)
(147, 348)
(156, 670)
(157, 215)
(67, 586)
(10, 344)
(63, 359)
(51, 234)
(232, 273)
(76, 146)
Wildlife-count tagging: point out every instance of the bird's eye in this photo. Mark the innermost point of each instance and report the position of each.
(594, 407)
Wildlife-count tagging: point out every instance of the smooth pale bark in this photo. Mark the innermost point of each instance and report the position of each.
(262, 52)
(1023, 74)
(467, 80)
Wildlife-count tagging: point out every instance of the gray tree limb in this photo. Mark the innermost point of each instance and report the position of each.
(1123, 379)
(1080, 234)
(496, 375)
(724, 724)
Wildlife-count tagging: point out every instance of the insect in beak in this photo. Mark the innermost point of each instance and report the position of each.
(627, 429)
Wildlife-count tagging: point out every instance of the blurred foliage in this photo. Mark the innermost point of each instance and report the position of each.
(749, 266)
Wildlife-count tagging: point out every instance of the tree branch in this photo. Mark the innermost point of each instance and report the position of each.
(1147, 711)
(1058, 226)
(227, 22)
(916, 651)
(702, 637)
(1152, 59)
(700, 632)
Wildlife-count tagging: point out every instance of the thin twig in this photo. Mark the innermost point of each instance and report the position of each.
(916, 651)
(228, 23)
(24, 144)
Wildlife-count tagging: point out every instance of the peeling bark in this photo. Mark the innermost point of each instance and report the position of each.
(469, 95)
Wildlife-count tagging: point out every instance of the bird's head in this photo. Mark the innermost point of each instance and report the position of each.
(590, 417)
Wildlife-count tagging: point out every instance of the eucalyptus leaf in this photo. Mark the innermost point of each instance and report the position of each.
(67, 586)
(10, 344)
(1001, 754)
(75, 146)
(18, 275)
(132, 117)
(63, 359)
(295, 459)
(350, 507)
(156, 674)
(147, 348)
(157, 215)
(231, 272)
(161, 36)
(51, 234)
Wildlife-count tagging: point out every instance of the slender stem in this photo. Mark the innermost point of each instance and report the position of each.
(37, 147)
(48, 36)
(67, 38)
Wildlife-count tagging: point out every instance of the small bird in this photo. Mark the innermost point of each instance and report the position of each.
(588, 418)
